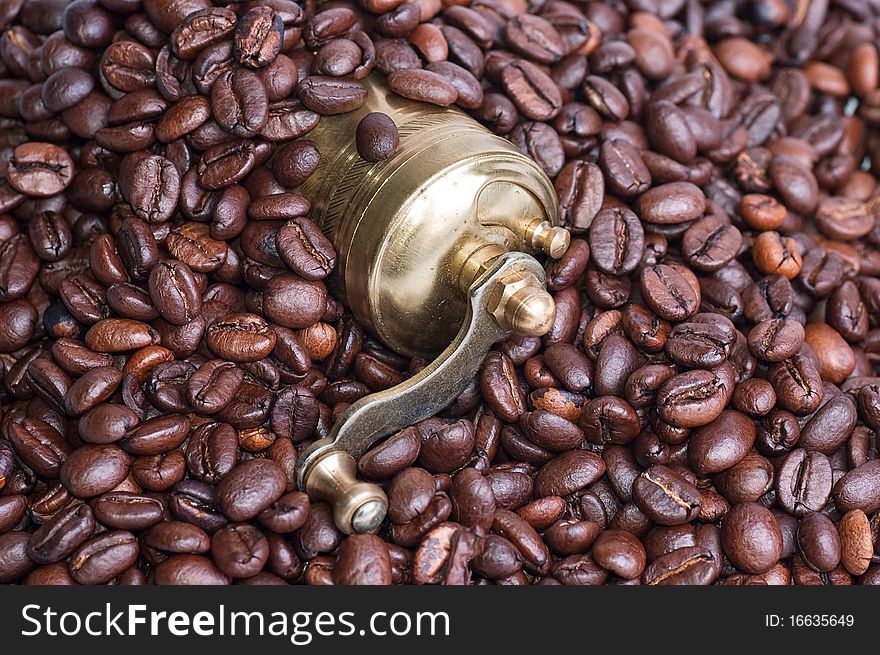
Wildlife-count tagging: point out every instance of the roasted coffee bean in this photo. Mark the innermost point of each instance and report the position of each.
(616, 241)
(696, 397)
(606, 98)
(51, 236)
(620, 553)
(499, 383)
(625, 171)
(259, 34)
(305, 250)
(241, 338)
(295, 162)
(177, 537)
(201, 29)
(688, 565)
(608, 419)
(470, 93)
(153, 188)
(550, 431)
(212, 451)
(671, 291)
(239, 103)
(58, 537)
(157, 435)
(112, 335)
(775, 340)
(751, 537)
(19, 267)
(446, 447)
(722, 443)
(857, 489)
(846, 312)
(511, 527)
(568, 472)
(363, 559)
(835, 356)
(392, 455)
(124, 510)
(754, 396)
(14, 561)
(672, 203)
(39, 445)
(703, 343)
(818, 542)
(580, 188)
(287, 514)
(193, 502)
(422, 85)
(376, 137)
(249, 488)
(213, 386)
(797, 384)
(93, 388)
(541, 143)
(137, 247)
(778, 432)
(644, 329)
(770, 297)
(747, 480)
(226, 163)
(294, 302)
(570, 366)
(39, 170)
(331, 95)
(616, 361)
(409, 494)
(47, 381)
(830, 426)
(288, 119)
(535, 94)
(670, 132)
(239, 550)
(174, 292)
(710, 243)
(189, 570)
(777, 255)
(665, 496)
(92, 470)
(104, 556)
(12, 511)
(856, 551)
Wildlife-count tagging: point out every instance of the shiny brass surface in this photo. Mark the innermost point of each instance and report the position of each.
(326, 469)
(413, 232)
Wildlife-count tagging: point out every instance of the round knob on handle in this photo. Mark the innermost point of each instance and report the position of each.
(358, 507)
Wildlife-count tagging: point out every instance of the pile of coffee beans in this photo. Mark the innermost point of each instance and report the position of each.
(703, 410)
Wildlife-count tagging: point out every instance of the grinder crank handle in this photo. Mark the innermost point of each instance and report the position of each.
(510, 297)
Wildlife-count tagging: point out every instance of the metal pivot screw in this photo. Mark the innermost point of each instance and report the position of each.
(520, 303)
(358, 507)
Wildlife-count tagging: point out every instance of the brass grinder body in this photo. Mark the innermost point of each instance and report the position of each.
(433, 256)
(412, 232)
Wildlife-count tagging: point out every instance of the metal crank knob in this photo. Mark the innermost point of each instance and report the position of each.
(358, 506)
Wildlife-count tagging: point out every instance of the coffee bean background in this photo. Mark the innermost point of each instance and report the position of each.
(703, 410)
